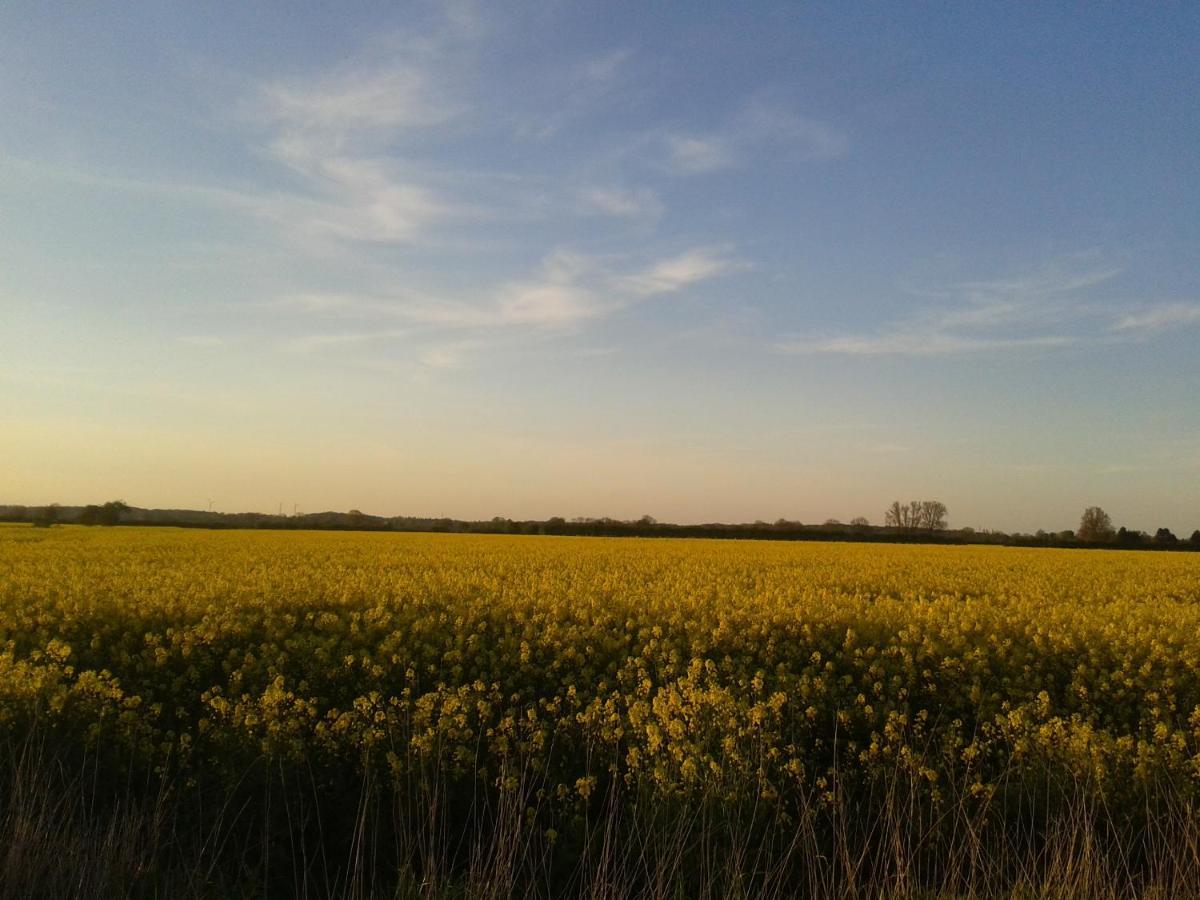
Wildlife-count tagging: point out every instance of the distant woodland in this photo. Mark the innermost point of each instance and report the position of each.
(919, 521)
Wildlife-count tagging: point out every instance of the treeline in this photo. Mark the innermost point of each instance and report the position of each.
(922, 522)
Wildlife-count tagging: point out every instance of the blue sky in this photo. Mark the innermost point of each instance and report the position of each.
(706, 262)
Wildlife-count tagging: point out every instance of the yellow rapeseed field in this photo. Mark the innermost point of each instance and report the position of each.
(787, 675)
(683, 660)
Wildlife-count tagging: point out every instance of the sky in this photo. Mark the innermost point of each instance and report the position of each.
(706, 262)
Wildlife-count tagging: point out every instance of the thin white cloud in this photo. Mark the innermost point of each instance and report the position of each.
(338, 133)
(392, 98)
(696, 155)
(607, 67)
(541, 303)
(1056, 278)
(563, 292)
(915, 343)
(559, 296)
(1039, 310)
(205, 195)
(641, 203)
(570, 95)
(676, 273)
(452, 355)
(463, 19)
(346, 199)
(567, 290)
(310, 343)
(759, 127)
(1158, 318)
(361, 200)
(350, 194)
(438, 312)
(317, 303)
(804, 137)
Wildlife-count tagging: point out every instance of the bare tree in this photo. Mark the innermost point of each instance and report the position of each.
(860, 521)
(928, 514)
(915, 514)
(1095, 525)
(933, 515)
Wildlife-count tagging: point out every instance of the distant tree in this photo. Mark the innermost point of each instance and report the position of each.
(933, 515)
(1129, 538)
(1194, 540)
(110, 512)
(832, 523)
(1095, 525)
(46, 516)
(926, 514)
(860, 522)
(1164, 536)
(647, 521)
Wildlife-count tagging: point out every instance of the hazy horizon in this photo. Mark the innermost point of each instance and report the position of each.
(702, 263)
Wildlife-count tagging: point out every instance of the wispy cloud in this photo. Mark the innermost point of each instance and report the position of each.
(415, 307)
(641, 203)
(389, 98)
(162, 190)
(352, 197)
(670, 275)
(452, 355)
(567, 290)
(606, 68)
(759, 126)
(695, 155)
(361, 200)
(1038, 310)
(310, 343)
(1058, 277)
(578, 91)
(559, 296)
(1158, 318)
(355, 172)
(916, 343)
(338, 133)
(801, 136)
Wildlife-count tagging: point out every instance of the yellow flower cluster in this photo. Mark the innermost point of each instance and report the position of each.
(675, 666)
